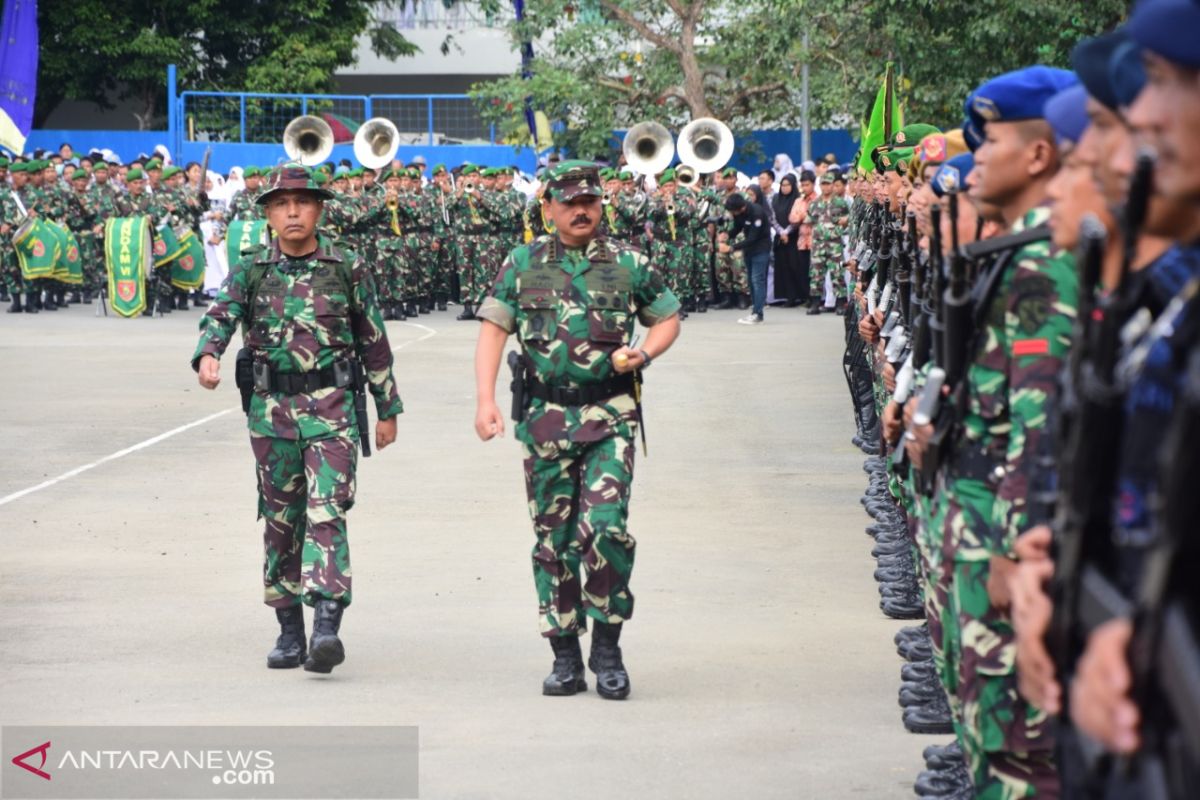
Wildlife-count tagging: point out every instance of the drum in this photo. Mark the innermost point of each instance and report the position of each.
(244, 234)
(69, 266)
(187, 270)
(166, 245)
(129, 258)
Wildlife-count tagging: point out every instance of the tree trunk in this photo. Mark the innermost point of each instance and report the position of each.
(149, 108)
(693, 77)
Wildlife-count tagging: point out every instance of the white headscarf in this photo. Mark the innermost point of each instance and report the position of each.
(783, 166)
(235, 183)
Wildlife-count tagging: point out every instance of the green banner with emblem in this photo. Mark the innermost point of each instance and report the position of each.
(36, 247)
(242, 235)
(128, 254)
(69, 266)
(187, 270)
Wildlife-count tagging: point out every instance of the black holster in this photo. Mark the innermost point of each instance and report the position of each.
(243, 376)
(520, 397)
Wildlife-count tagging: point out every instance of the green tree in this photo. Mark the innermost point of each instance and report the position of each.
(107, 50)
(602, 65)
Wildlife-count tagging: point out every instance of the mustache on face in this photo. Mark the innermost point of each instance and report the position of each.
(581, 219)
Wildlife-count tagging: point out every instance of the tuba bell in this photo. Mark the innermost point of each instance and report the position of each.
(648, 148)
(686, 175)
(376, 142)
(308, 139)
(705, 144)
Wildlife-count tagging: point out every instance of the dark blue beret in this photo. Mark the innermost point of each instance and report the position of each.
(1127, 73)
(1090, 60)
(1017, 95)
(1067, 113)
(1169, 28)
(972, 135)
(952, 176)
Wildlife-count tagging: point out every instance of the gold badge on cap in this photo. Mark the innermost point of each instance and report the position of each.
(985, 108)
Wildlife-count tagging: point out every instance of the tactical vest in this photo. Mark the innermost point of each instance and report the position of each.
(266, 288)
(545, 293)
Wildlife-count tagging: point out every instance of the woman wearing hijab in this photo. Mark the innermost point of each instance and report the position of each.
(804, 231)
(787, 257)
(783, 166)
(212, 228)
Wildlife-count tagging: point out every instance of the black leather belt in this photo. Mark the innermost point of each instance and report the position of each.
(581, 395)
(303, 382)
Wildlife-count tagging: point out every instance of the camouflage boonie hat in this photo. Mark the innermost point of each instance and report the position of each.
(575, 178)
(292, 177)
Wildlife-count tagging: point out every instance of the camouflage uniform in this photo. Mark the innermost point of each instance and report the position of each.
(304, 320)
(828, 214)
(571, 310)
(731, 266)
(243, 206)
(470, 230)
(83, 214)
(670, 250)
(984, 482)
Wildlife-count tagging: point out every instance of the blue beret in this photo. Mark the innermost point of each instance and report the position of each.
(1169, 28)
(1067, 114)
(952, 176)
(1090, 60)
(1127, 73)
(972, 135)
(1017, 95)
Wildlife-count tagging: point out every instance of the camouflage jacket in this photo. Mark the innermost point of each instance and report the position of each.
(244, 207)
(830, 216)
(54, 202)
(571, 310)
(1011, 386)
(83, 211)
(129, 206)
(303, 320)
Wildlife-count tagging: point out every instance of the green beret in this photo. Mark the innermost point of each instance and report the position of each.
(413, 173)
(911, 135)
(135, 174)
(438, 169)
(729, 172)
(607, 174)
(668, 176)
(3, 162)
(153, 163)
(387, 173)
(896, 159)
(319, 177)
(170, 172)
(328, 167)
(80, 174)
(250, 172)
(100, 167)
(469, 169)
(17, 166)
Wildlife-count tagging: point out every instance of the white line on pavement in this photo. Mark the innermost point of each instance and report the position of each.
(429, 333)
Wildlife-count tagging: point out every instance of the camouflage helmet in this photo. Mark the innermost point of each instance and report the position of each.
(292, 177)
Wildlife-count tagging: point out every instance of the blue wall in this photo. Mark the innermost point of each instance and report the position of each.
(128, 144)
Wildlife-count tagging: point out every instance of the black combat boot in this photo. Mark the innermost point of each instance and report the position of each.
(425, 304)
(916, 651)
(689, 305)
(948, 782)
(76, 298)
(181, 301)
(726, 302)
(163, 304)
(743, 301)
(919, 692)
(289, 647)
(933, 717)
(47, 301)
(814, 307)
(88, 296)
(468, 312)
(60, 297)
(441, 301)
(702, 306)
(410, 309)
(325, 650)
(912, 634)
(3, 293)
(567, 677)
(16, 307)
(917, 671)
(612, 681)
(31, 306)
(943, 756)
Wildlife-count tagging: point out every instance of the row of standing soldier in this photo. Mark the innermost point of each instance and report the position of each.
(1024, 362)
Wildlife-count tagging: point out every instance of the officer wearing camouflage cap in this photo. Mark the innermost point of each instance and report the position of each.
(572, 298)
(309, 318)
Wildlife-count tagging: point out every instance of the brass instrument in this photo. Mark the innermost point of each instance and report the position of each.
(308, 139)
(686, 176)
(607, 199)
(376, 142)
(648, 148)
(705, 145)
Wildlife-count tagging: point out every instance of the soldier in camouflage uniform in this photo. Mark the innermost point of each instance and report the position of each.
(244, 205)
(670, 242)
(572, 300)
(84, 220)
(23, 291)
(307, 309)
(986, 477)
(470, 230)
(732, 280)
(829, 214)
(443, 244)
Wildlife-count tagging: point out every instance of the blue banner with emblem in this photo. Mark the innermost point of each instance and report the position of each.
(18, 72)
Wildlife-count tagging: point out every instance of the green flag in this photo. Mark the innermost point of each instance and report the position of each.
(886, 119)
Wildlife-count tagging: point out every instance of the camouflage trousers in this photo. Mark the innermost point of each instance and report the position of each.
(701, 271)
(443, 265)
(305, 488)
(579, 501)
(1007, 743)
(673, 260)
(825, 261)
(473, 276)
(731, 273)
(14, 281)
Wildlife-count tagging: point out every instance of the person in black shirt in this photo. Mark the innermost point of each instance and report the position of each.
(752, 235)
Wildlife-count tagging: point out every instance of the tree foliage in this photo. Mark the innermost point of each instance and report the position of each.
(107, 50)
(601, 65)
